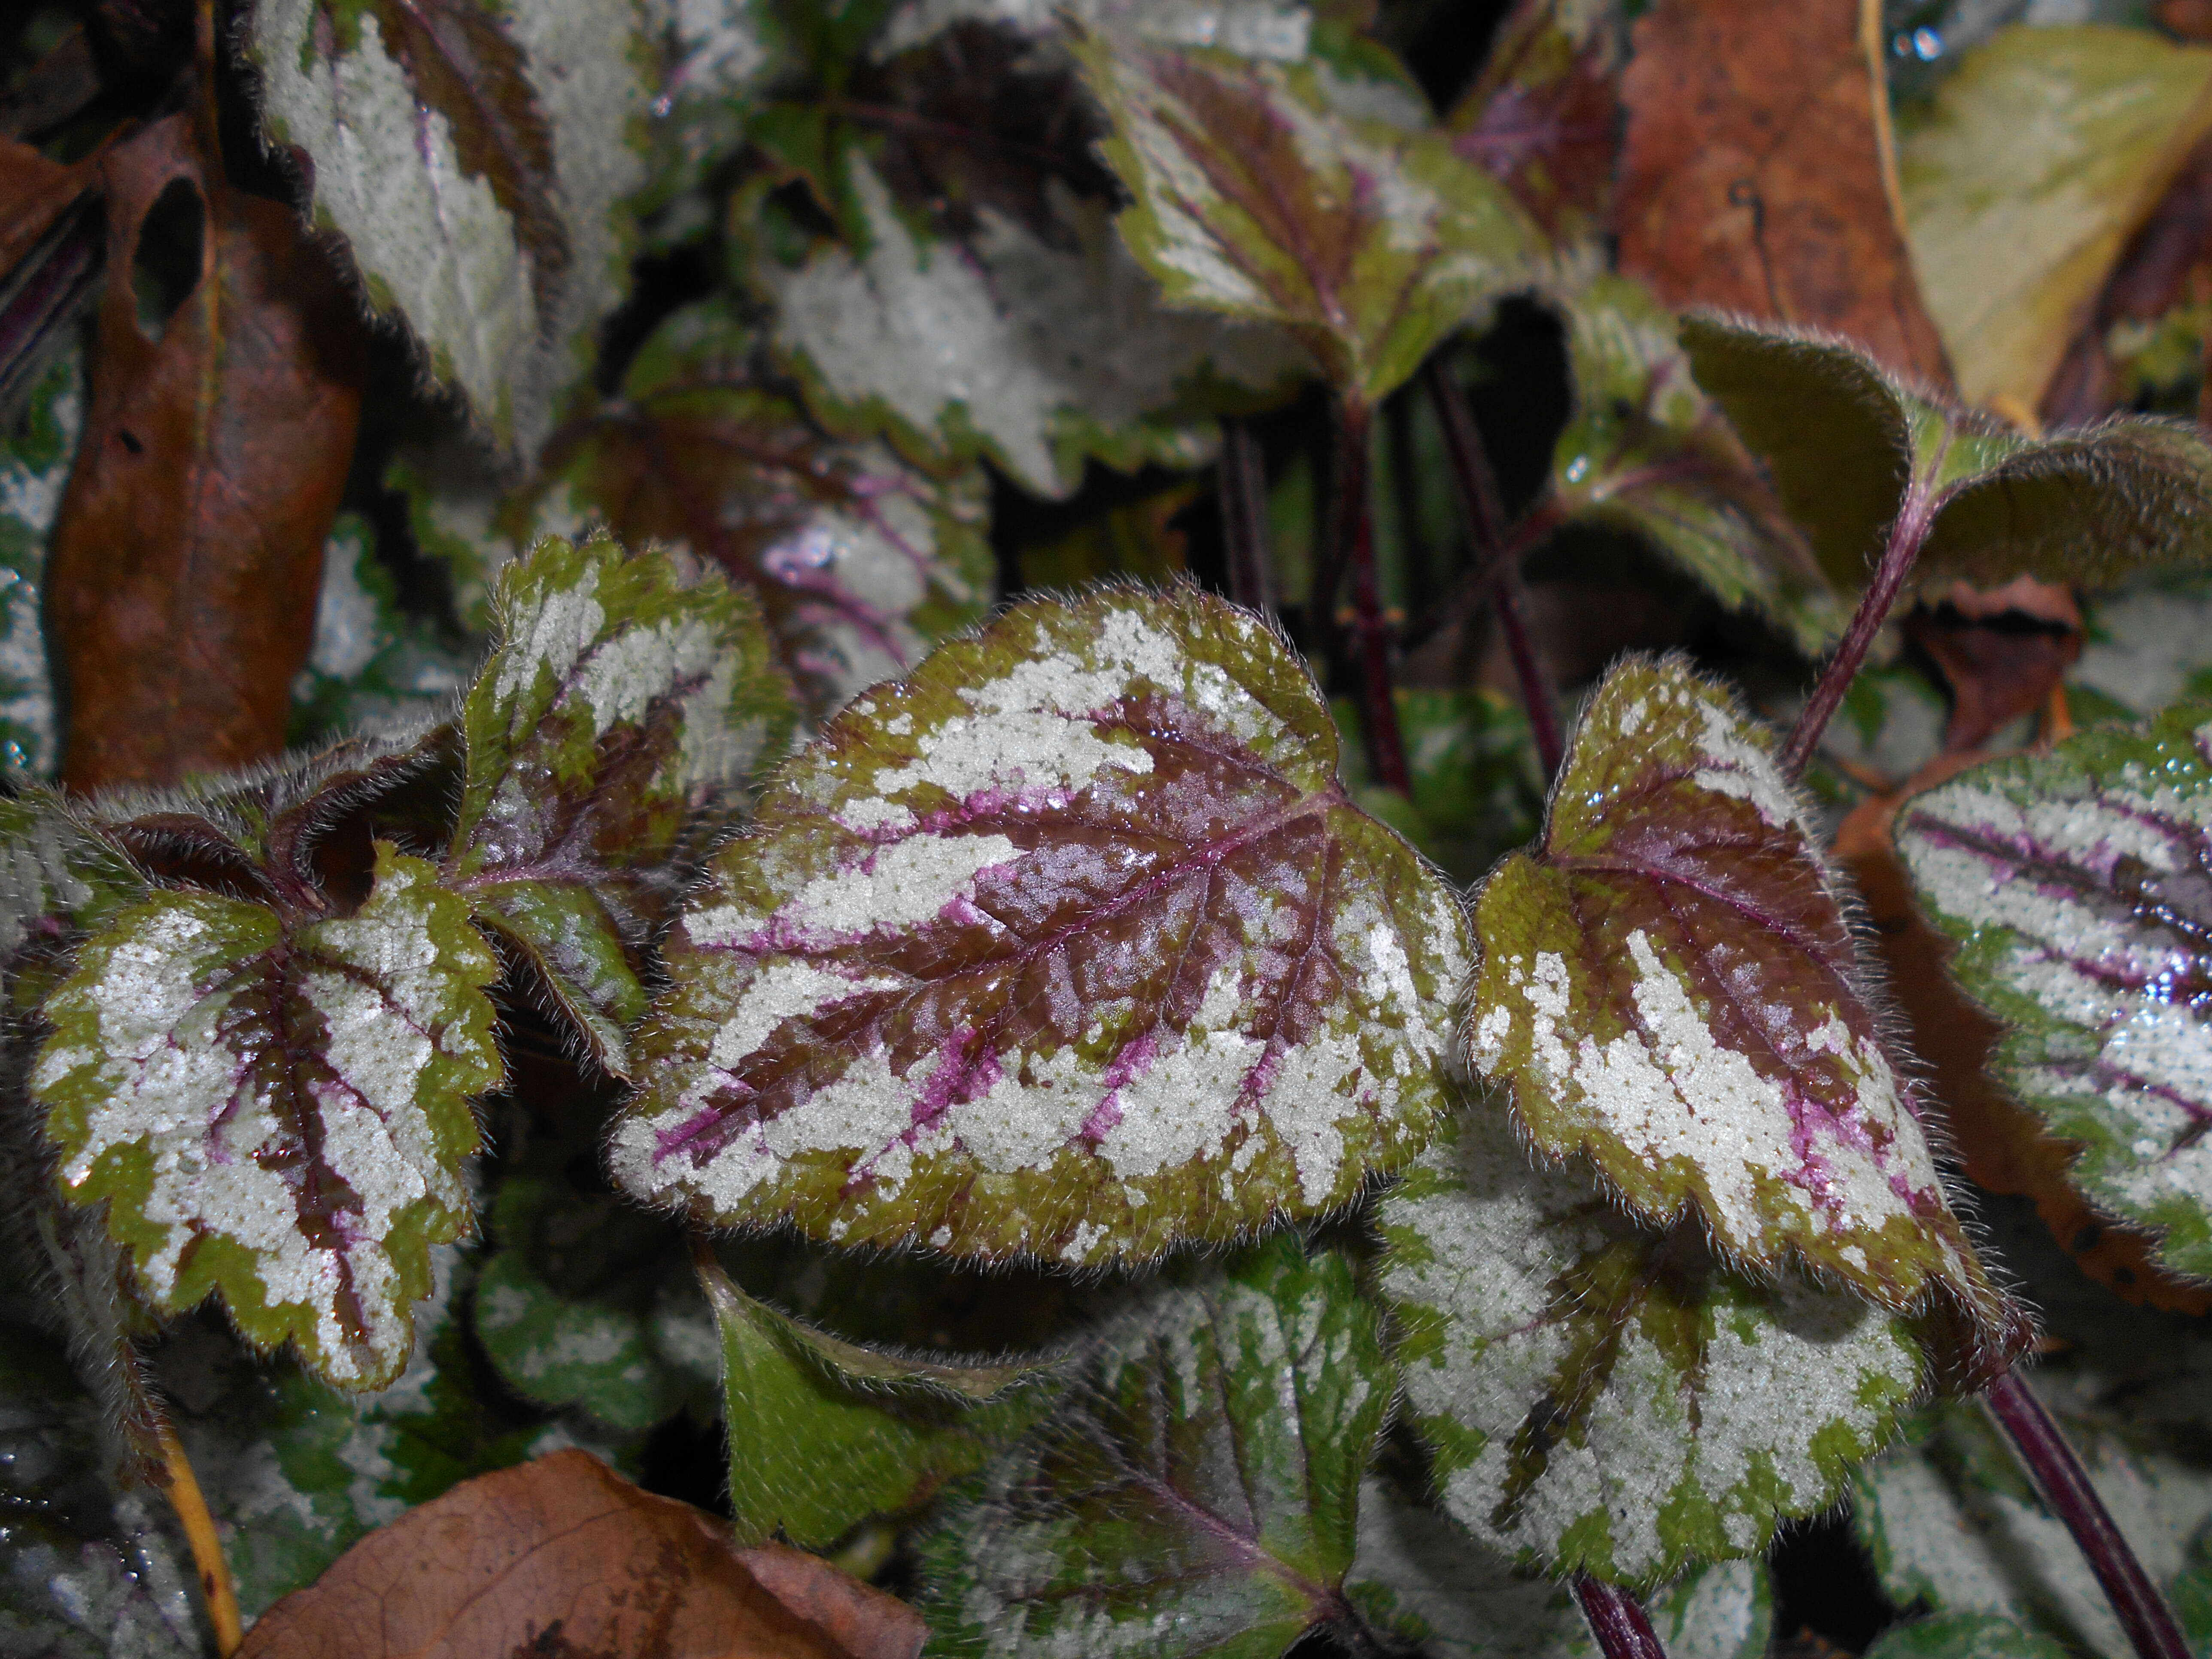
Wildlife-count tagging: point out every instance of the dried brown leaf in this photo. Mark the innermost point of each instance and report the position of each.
(2003, 651)
(1755, 176)
(563, 1557)
(188, 552)
(34, 192)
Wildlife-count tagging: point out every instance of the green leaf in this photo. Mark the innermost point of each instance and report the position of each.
(1646, 452)
(1964, 1636)
(1425, 1581)
(587, 1303)
(824, 1433)
(2074, 884)
(1256, 196)
(1605, 1397)
(57, 870)
(1070, 946)
(277, 1106)
(859, 561)
(623, 694)
(1198, 1495)
(34, 468)
(2053, 144)
(372, 664)
(1670, 988)
(476, 162)
(1952, 1523)
(1039, 351)
(1849, 449)
(1544, 116)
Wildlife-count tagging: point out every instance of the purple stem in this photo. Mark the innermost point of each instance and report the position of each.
(1914, 519)
(2058, 1474)
(1497, 558)
(1354, 525)
(1242, 484)
(1617, 1619)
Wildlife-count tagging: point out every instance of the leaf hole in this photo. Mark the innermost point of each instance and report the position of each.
(165, 266)
(129, 440)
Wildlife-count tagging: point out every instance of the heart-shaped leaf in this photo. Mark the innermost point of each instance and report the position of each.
(1255, 196)
(278, 1109)
(1646, 451)
(1199, 1495)
(622, 695)
(1607, 1397)
(894, 1427)
(1070, 944)
(2075, 882)
(1670, 988)
(1849, 449)
(475, 162)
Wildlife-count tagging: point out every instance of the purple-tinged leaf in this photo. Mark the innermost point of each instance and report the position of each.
(1670, 988)
(2078, 885)
(1070, 944)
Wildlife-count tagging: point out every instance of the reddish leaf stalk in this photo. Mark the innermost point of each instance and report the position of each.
(1354, 526)
(2058, 1474)
(1906, 535)
(1617, 1619)
(1497, 559)
(1242, 484)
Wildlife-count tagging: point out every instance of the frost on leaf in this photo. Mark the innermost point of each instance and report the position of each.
(623, 695)
(1070, 944)
(1038, 353)
(860, 561)
(1199, 1494)
(476, 162)
(798, 1401)
(1605, 1397)
(1257, 196)
(277, 1106)
(1848, 447)
(1646, 451)
(2076, 883)
(1425, 1580)
(1670, 988)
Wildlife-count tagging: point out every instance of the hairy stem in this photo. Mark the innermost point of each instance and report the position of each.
(1354, 527)
(1496, 557)
(1617, 1619)
(213, 1571)
(2058, 1474)
(1910, 529)
(1242, 484)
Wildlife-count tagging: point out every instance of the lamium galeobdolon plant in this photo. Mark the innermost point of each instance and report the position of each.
(1150, 1173)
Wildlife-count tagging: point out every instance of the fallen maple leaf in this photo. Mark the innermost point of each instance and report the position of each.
(188, 553)
(563, 1556)
(1756, 174)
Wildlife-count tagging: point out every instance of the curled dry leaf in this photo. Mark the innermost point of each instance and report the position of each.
(2074, 882)
(1254, 196)
(1070, 944)
(1604, 1397)
(1754, 177)
(188, 553)
(1669, 988)
(563, 1555)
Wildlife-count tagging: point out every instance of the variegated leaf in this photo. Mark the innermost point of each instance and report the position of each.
(1257, 195)
(34, 468)
(1038, 354)
(1646, 451)
(894, 1427)
(1198, 1495)
(1278, 30)
(2077, 884)
(1069, 945)
(1851, 451)
(624, 694)
(374, 665)
(1964, 1636)
(1424, 1579)
(58, 874)
(1604, 1397)
(277, 1106)
(476, 162)
(860, 562)
(1669, 988)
